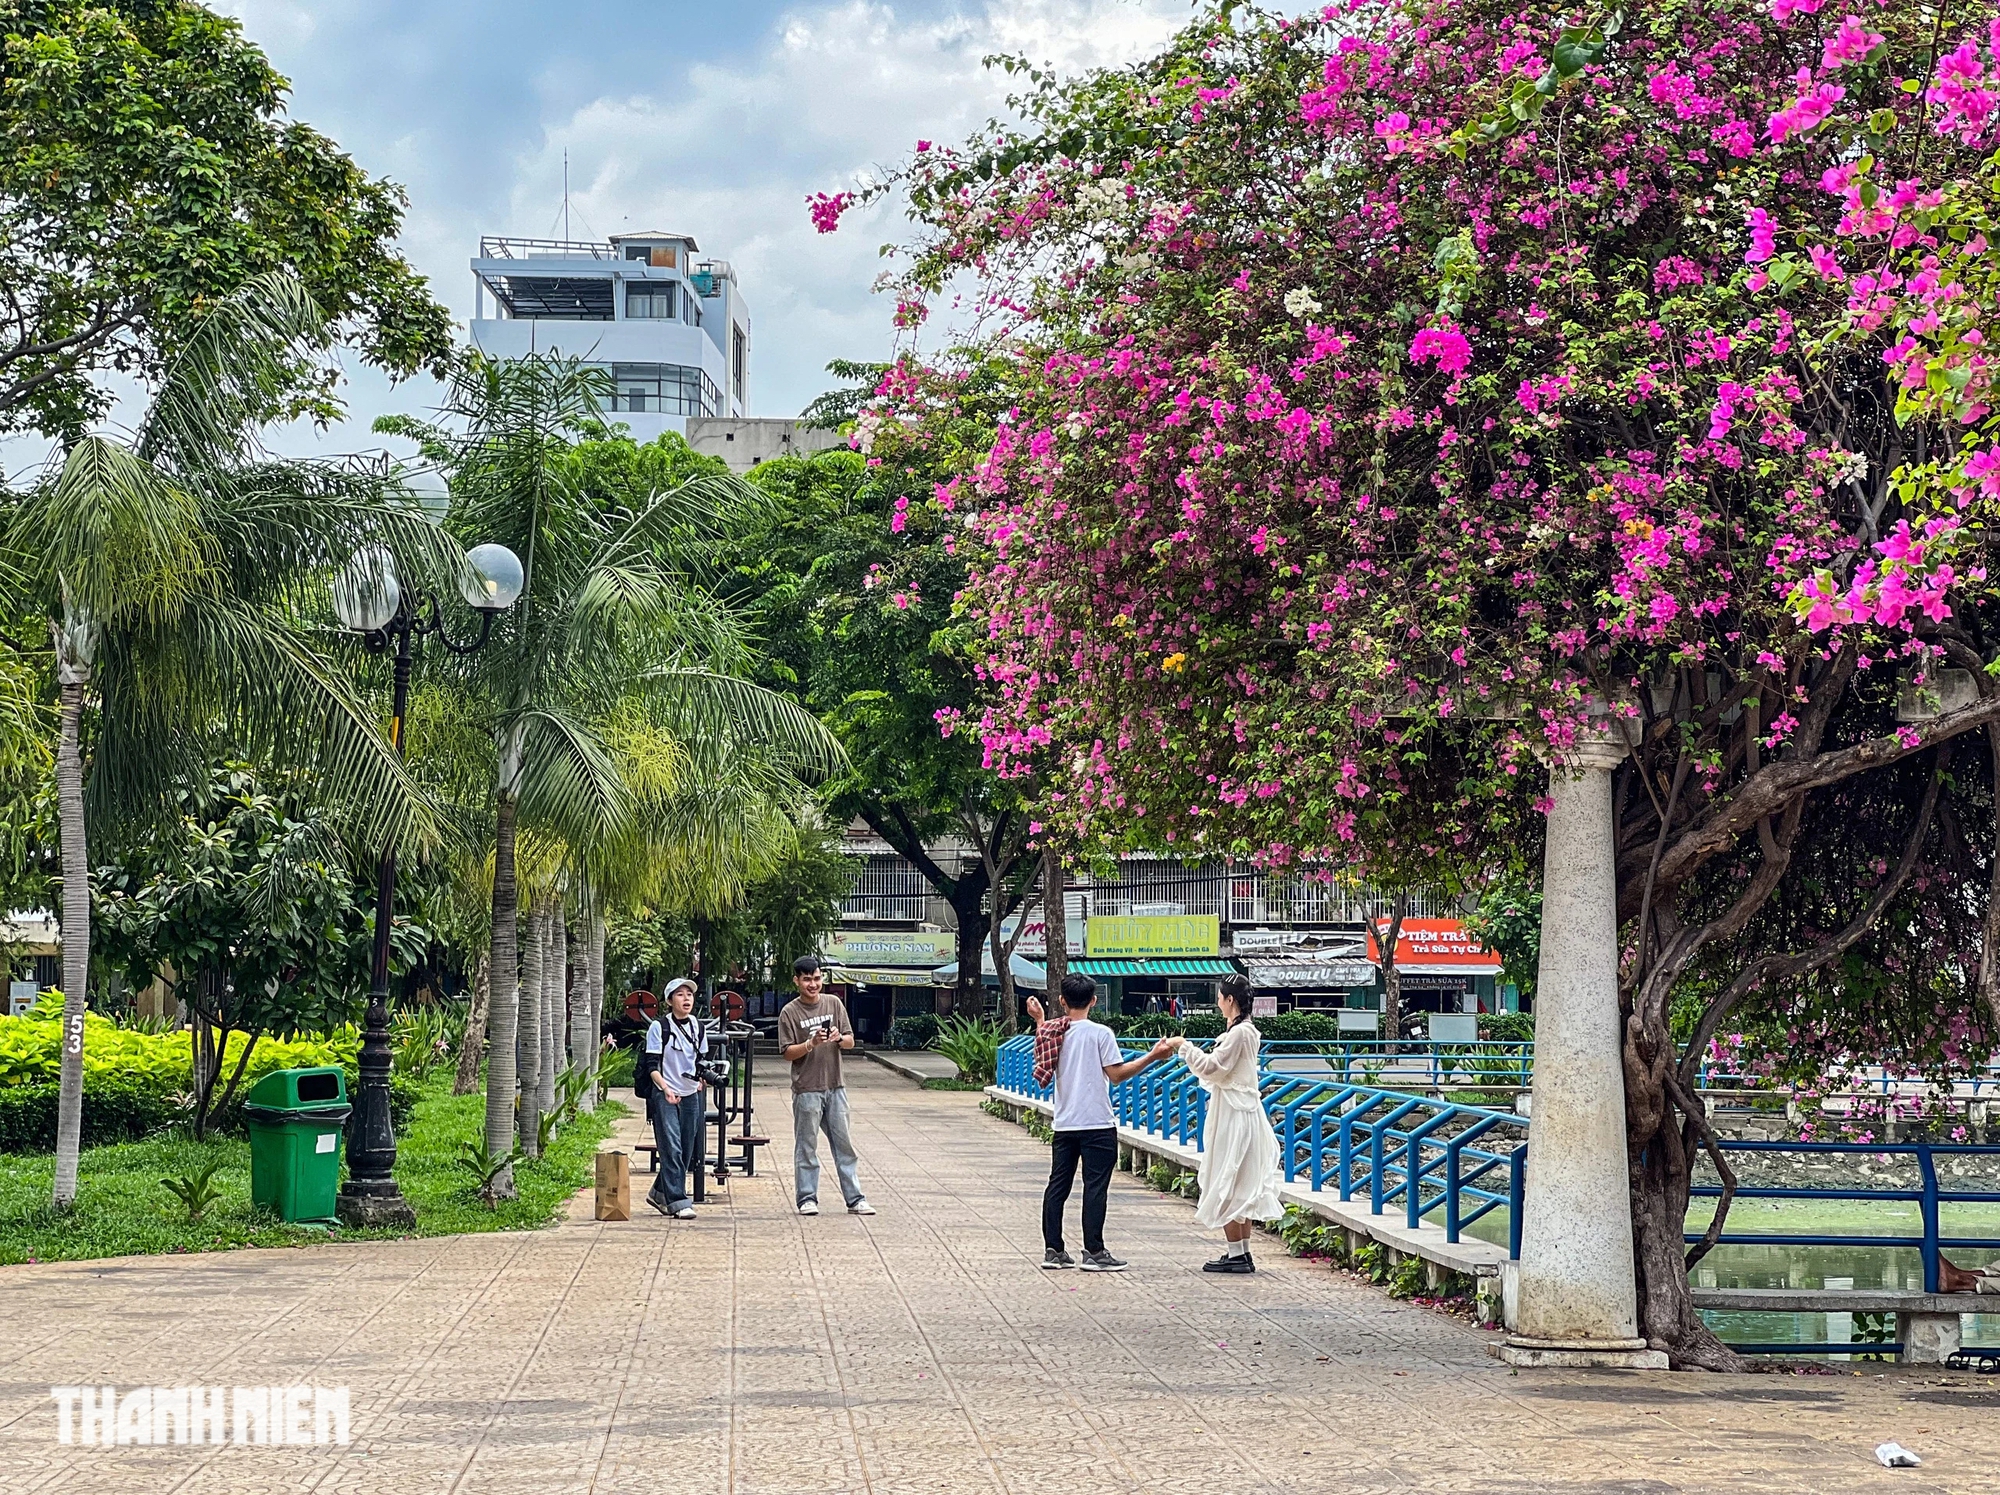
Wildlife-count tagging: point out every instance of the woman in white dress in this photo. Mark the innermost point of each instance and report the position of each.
(1239, 1156)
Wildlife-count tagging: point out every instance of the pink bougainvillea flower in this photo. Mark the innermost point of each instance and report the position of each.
(1445, 344)
(826, 208)
(1805, 113)
(1763, 237)
(1852, 42)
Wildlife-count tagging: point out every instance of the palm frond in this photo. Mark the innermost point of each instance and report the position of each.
(121, 538)
(570, 785)
(701, 703)
(245, 354)
(230, 677)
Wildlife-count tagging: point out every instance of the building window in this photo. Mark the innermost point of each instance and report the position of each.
(664, 389)
(652, 300)
(886, 887)
(738, 347)
(655, 254)
(563, 298)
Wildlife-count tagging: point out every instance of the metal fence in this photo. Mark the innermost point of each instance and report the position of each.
(1414, 1153)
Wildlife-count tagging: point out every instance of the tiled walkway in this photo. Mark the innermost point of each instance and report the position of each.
(753, 1352)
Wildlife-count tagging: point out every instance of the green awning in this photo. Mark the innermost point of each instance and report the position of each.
(1160, 967)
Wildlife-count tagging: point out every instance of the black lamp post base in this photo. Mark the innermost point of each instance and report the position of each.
(371, 1205)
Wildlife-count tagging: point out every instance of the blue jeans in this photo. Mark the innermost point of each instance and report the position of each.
(677, 1134)
(812, 1111)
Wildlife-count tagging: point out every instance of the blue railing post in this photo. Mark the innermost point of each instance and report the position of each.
(1517, 1193)
(1928, 1165)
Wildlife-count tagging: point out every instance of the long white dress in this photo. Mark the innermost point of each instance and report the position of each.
(1239, 1151)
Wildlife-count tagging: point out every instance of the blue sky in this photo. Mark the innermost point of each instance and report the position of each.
(714, 119)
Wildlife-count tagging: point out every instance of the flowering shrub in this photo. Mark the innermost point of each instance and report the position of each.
(1405, 393)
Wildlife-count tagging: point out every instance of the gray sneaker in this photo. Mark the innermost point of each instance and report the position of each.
(1056, 1261)
(1101, 1261)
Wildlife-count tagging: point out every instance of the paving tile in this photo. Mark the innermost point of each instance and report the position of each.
(921, 1350)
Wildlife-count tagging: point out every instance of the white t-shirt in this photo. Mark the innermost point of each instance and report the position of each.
(1083, 1094)
(677, 1044)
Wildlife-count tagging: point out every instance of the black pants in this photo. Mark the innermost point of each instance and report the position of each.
(1098, 1151)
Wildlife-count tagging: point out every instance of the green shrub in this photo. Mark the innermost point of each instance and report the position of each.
(971, 1043)
(1371, 1260)
(1406, 1278)
(1507, 1027)
(1304, 1233)
(1208, 1024)
(135, 1082)
(114, 1110)
(1296, 1027)
(918, 1031)
(615, 1073)
(1153, 1025)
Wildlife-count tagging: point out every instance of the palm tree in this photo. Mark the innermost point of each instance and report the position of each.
(612, 610)
(173, 572)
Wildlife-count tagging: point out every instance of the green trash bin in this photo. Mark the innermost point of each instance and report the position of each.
(295, 1118)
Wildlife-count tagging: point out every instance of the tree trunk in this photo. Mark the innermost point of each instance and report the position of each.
(1661, 1149)
(579, 1005)
(553, 953)
(967, 905)
(75, 931)
(472, 1047)
(503, 1009)
(1055, 919)
(590, 1028)
(1392, 979)
(534, 996)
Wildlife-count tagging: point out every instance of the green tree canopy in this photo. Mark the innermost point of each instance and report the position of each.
(147, 170)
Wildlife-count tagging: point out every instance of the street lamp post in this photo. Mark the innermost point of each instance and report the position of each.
(369, 601)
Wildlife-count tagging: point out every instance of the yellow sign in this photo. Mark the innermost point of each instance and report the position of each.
(1154, 934)
(888, 947)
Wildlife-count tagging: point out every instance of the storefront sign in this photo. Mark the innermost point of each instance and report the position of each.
(1143, 936)
(1035, 938)
(870, 976)
(1438, 946)
(889, 947)
(1309, 972)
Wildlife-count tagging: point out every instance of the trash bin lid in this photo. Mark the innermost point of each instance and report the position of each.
(300, 1089)
(305, 1116)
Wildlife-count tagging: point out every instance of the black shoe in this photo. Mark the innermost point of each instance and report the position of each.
(1056, 1261)
(1101, 1261)
(1231, 1264)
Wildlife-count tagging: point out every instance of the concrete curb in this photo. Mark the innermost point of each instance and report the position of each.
(892, 1060)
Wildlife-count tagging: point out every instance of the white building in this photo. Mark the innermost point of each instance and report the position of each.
(671, 328)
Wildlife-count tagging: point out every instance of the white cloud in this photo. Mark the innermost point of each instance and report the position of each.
(675, 119)
(843, 92)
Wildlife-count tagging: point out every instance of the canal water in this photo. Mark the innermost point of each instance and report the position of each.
(1850, 1267)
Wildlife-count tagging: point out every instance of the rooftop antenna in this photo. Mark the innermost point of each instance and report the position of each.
(565, 192)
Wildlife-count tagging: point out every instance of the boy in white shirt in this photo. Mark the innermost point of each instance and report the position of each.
(1088, 1063)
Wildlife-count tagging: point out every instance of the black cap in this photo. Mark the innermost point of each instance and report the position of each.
(805, 965)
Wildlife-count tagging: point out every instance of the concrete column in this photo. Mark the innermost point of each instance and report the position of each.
(1577, 1300)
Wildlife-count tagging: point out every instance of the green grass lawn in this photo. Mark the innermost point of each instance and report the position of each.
(121, 1210)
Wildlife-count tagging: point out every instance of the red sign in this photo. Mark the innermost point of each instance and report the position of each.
(1437, 946)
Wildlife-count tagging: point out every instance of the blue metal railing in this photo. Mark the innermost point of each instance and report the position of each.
(1929, 1195)
(1422, 1154)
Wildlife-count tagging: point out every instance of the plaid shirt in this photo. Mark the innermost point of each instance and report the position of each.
(1049, 1036)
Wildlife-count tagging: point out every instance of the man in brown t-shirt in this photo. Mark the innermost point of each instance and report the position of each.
(812, 1030)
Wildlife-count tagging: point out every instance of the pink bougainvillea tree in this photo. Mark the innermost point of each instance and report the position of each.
(1405, 390)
